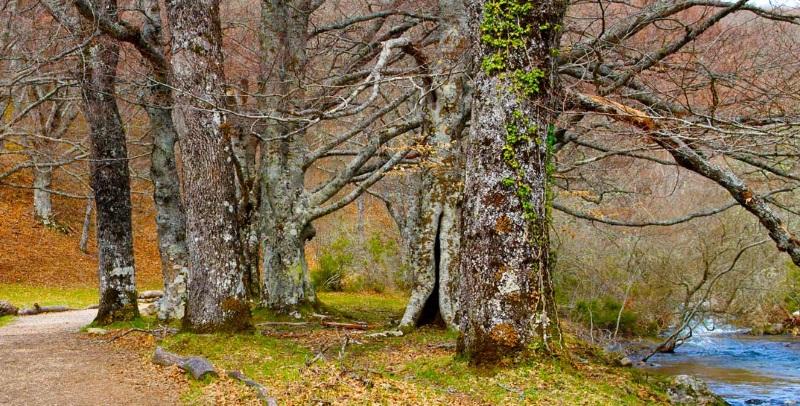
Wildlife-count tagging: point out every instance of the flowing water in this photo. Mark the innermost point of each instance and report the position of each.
(743, 369)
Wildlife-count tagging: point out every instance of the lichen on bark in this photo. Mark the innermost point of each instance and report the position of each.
(507, 296)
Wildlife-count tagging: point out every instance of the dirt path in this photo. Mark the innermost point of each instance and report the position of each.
(45, 361)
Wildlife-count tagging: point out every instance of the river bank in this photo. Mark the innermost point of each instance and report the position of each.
(741, 368)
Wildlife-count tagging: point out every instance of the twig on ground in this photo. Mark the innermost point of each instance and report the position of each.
(283, 323)
(158, 332)
(353, 326)
(387, 333)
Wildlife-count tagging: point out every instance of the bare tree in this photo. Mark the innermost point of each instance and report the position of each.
(157, 100)
(676, 98)
(109, 167)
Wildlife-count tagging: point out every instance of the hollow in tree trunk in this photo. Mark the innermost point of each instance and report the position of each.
(434, 264)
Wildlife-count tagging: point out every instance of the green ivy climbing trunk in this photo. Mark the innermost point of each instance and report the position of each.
(507, 294)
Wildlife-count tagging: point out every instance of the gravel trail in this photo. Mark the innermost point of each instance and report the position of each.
(44, 360)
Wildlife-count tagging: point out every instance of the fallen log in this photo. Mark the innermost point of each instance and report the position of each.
(384, 334)
(197, 366)
(261, 391)
(352, 326)
(150, 294)
(43, 309)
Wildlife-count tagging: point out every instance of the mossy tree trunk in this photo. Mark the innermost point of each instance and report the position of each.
(435, 245)
(216, 294)
(110, 179)
(507, 295)
(284, 201)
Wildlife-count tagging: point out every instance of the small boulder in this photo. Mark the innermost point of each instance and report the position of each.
(149, 310)
(97, 331)
(690, 390)
(7, 309)
(625, 362)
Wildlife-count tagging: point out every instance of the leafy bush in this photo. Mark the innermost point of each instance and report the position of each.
(603, 314)
(347, 265)
(335, 262)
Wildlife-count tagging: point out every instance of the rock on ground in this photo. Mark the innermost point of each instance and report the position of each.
(690, 390)
(7, 308)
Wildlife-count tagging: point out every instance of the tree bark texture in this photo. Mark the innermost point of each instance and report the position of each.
(42, 203)
(507, 295)
(216, 294)
(110, 179)
(435, 265)
(170, 213)
(284, 203)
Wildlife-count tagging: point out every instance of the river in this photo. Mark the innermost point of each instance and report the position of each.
(743, 369)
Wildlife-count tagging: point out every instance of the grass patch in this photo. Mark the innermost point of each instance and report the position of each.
(142, 322)
(368, 307)
(5, 320)
(23, 296)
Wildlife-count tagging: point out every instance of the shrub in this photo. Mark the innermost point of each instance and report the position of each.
(603, 314)
(335, 262)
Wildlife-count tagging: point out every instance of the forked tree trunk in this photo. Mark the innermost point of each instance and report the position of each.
(110, 180)
(507, 294)
(435, 247)
(216, 293)
(284, 205)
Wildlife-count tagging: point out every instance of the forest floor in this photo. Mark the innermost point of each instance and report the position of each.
(299, 363)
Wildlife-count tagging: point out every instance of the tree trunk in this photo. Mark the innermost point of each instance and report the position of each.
(287, 282)
(110, 180)
(170, 213)
(42, 204)
(507, 295)
(284, 203)
(216, 295)
(434, 297)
